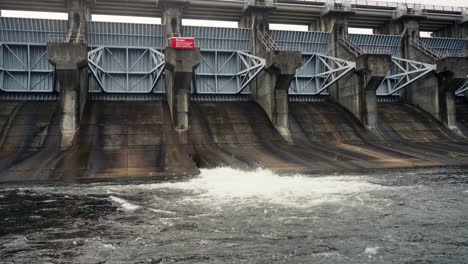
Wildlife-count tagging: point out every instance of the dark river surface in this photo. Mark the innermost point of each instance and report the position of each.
(230, 216)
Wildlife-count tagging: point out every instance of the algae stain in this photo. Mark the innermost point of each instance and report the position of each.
(11, 119)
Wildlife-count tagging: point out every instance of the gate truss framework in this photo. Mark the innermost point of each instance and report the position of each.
(403, 73)
(464, 88)
(317, 73)
(226, 72)
(24, 68)
(126, 69)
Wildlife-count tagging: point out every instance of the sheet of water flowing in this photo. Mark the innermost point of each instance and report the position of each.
(230, 216)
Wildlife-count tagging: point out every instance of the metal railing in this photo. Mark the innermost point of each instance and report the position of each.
(368, 49)
(350, 46)
(337, 5)
(390, 4)
(66, 38)
(270, 3)
(425, 49)
(438, 54)
(452, 53)
(269, 44)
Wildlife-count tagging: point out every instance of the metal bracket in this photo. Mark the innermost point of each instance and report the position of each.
(403, 73)
(464, 88)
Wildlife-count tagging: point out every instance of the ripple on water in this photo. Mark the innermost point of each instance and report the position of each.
(294, 219)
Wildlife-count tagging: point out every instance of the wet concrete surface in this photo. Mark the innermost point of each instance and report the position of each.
(462, 116)
(32, 141)
(116, 139)
(328, 127)
(137, 139)
(125, 139)
(411, 130)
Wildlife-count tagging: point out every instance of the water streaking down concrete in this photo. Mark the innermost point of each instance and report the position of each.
(131, 139)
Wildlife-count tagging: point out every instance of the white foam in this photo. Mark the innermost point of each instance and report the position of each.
(124, 204)
(227, 185)
(371, 251)
(161, 211)
(107, 246)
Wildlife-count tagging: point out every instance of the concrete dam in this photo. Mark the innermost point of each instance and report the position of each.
(82, 99)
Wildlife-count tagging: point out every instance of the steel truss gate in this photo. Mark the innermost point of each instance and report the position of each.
(226, 65)
(126, 58)
(24, 67)
(318, 71)
(403, 72)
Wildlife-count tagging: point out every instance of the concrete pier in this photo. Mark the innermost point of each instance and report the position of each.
(69, 60)
(69, 55)
(356, 91)
(180, 65)
(451, 74)
(271, 88)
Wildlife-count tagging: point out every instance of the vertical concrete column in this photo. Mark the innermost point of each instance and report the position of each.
(69, 56)
(451, 74)
(271, 88)
(356, 91)
(423, 93)
(180, 65)
(456, 30)
(172, 16)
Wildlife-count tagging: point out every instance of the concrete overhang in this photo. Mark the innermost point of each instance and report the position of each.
(287, 11)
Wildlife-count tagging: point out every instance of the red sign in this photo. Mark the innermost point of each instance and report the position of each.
(183, 43)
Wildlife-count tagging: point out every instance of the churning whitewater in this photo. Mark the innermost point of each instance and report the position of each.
(231, 216)
(227, 186)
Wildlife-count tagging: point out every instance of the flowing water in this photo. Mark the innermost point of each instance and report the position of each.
(231, 216)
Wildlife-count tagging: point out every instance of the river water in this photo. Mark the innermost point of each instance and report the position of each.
(230, 216)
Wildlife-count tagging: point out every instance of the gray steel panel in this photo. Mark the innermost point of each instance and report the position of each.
(23, 62)
(123, 69)
(25, 68)
(210, 38)
(218, 72)
(377, 44)
(29, 30)
(306, 42)
(317, 73)
(126, 35)
(447, 46)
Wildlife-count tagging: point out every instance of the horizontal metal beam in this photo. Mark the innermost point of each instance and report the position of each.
(287, 11)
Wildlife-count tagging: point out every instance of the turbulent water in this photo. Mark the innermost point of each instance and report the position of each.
(230, 216)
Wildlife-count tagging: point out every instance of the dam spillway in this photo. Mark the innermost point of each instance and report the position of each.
(117, 141)
(107, 100)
